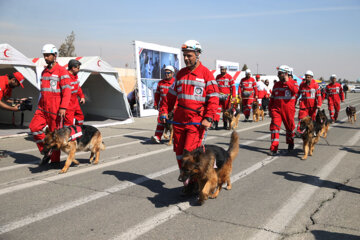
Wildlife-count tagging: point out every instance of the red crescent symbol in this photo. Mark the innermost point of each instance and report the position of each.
(98, 63)
(5, 53)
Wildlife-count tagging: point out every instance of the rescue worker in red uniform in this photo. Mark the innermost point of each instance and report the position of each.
(248, 92)
(7, 84)
(266, 99)
(334, 94)
(55, 96)
(227, 90)
(74, 114)
(196, 93)
(261, 89)
(310, 98)
(282, 109)
(161, 92)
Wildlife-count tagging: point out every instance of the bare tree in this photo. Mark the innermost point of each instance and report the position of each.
(67, 49)
(244, 67)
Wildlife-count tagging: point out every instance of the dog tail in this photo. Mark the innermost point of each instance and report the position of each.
(102, 146)
(234, 145)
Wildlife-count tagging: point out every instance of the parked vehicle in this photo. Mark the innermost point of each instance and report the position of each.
(356, 89)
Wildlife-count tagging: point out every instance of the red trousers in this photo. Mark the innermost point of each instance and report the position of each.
(187, 137)
(247, 105)
(159, 129)
(277, 117)
(38, 123)
(74, 114)
(334, 108)
(306, 112)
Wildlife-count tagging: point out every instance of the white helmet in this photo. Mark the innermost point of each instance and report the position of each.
(308, 72)
(223, 67)
(191, 45)
(49, 48)
(171, 68)
(333, 76)
(284, 68)
(247, 71)
(291, 70)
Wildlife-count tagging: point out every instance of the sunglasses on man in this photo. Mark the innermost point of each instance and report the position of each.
(168, 72)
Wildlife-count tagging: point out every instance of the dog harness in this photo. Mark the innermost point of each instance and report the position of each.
(75, 132)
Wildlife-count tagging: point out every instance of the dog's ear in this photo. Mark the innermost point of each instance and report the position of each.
(185, 152)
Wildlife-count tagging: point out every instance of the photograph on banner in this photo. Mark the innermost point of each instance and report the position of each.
(231, 66)
(151, 60)
(169, 59)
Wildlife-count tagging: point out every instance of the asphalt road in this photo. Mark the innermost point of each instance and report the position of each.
(133, 193)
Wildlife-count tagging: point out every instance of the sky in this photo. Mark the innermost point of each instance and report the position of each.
(318, 35)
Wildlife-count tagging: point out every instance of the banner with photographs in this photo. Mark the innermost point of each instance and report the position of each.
(231, 66)
(151, 60)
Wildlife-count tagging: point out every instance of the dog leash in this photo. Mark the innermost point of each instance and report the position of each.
(177, 123)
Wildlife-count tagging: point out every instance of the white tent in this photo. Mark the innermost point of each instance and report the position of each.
(11, 60)
(99, 82)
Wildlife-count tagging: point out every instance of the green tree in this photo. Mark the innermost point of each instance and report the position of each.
(67, 49)
(244, 67)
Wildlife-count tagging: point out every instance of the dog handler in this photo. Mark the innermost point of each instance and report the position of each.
(334, 94)
(310, 98)
(196, 93)
(55, 96)
(248, 92)
(161, 92)
(74, 111)
(7, 84)
(227, 90)
(282, 109)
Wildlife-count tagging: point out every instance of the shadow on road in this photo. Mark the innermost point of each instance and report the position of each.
(19, 158)
(164, 196)
(322, 235)
(316, 181)
(348, 149)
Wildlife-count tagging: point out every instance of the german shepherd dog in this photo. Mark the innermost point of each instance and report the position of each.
(257, 111)
(308, 136)
(169, 128)
(351, 114)
(211, 168)
(322, 124)
(231, 116)
(90, 140)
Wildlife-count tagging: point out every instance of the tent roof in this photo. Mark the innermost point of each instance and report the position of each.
(10, 56)
(91, 64)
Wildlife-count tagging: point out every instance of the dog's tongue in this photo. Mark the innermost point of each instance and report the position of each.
(187, 181)
(49, 152)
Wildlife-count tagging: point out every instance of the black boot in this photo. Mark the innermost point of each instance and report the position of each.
(225, 125)
(216, 125)
(290, 147)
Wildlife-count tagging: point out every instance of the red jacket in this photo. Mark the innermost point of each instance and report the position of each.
(5, 90)
(162, 90)
(334, 92)
(226, 84)
(196, 93)
(283, 95)
(55, 89)
(75, 91)
(310, 95)
(247, 88)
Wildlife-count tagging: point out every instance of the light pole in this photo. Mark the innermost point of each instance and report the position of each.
(257, 68)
